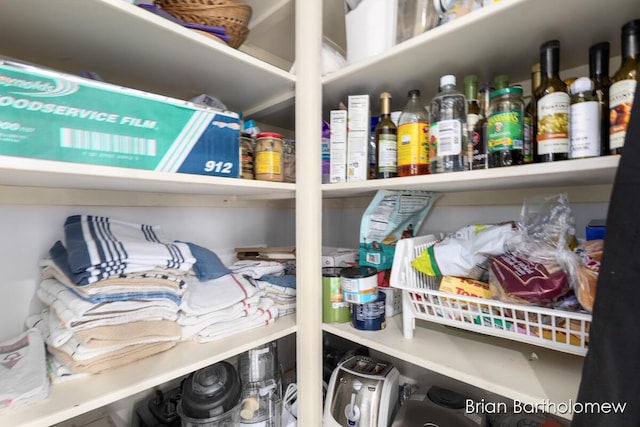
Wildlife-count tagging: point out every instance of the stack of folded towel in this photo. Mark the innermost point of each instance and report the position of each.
(219, 303)
(270, 278)
(113, 291)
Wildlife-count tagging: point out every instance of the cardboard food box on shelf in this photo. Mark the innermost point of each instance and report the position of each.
(51, 115)
(274, 253)
(338, 257)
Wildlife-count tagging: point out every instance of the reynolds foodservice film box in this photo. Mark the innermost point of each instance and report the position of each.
(55, 116)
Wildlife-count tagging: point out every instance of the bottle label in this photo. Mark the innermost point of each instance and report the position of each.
(472, 119)
(553, 123)
(412, 144)
(387, 153)
(446, 138)
(585, 129)
(268, 162)
(505, 131)
(620, 102)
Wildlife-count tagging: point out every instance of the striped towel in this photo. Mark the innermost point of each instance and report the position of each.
(97, 247)
(212, 295)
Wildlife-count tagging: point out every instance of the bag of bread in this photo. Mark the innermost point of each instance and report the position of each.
(585, 276)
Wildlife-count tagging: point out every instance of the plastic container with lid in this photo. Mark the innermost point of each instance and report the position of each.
(334, 308)
(505, 127)
(269, 159)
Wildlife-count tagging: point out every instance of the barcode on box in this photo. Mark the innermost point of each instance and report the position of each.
(373, 258)
(106, 142)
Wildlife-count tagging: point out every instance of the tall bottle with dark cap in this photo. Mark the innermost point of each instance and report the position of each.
(552, 105)
(623, 86)
(599, 75)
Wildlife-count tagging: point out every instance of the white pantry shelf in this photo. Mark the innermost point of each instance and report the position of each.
(22, 171)
(76, 397)
(511, 369)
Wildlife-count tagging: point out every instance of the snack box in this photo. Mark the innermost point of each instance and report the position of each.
(51, 115)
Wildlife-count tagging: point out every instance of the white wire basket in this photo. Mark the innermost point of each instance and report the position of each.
(556, 329)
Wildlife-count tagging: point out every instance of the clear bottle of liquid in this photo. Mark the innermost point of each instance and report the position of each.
(448, 121)
(386, 135)
(599, 74)
(623, 86)
(413, 133)
(552, 105)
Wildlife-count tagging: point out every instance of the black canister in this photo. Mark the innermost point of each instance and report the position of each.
(210, 393)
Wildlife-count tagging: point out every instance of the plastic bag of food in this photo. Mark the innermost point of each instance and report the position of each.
(539, 261)
(466, 252)
(392, 215)
(517, 280)
(585, 276)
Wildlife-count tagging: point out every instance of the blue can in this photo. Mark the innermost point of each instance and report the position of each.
(369, 316)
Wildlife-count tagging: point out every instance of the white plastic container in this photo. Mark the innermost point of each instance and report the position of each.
(555, 329)
(370, 28)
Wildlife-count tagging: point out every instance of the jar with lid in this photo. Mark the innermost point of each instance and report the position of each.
(505, 127)
(268, 157)
(246, 155)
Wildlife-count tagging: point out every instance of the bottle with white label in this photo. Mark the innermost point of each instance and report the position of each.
(623, 86)
(584, 130)
(447, 135)
(552, 105)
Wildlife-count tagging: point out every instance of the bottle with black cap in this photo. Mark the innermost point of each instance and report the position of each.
(552, 105)
(623, 86)
(599, 74)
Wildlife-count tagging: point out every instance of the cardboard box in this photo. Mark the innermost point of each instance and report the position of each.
(56, 116)
(358, 138)
(338, 146)
(338, 257)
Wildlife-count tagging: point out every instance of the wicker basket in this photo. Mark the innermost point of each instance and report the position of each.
(232, 15)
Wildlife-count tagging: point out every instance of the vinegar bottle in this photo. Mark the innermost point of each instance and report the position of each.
(386, 135)
(623, 86)
(413, 132)
(552, 107)
(447, 139)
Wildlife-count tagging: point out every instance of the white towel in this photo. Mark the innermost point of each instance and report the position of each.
(212, 295)
(23, 371)
(156, 280)
(275, 289)
(237, 311)
(265, 315)
(257, 269)
(74, 312)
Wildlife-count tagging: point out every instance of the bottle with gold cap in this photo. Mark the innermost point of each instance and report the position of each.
(386, 135)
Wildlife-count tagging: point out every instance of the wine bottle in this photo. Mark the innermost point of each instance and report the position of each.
(623, 86)
(386, 135)
(599, 74)
(552, 107)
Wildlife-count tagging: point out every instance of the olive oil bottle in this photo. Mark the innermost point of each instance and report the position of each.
(386, 135)
(552, 107)
(623, 86)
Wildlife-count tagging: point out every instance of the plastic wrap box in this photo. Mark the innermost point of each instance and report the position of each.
(55, 116)
(338, 257)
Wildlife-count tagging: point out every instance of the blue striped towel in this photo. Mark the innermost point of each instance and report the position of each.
(98, 247)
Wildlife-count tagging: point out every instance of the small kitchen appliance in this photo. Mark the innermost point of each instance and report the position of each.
(362, 392)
